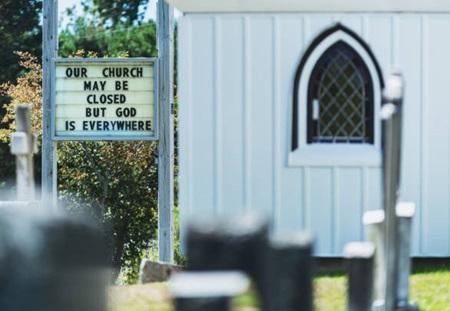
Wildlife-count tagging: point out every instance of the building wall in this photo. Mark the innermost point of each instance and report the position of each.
(236, 74)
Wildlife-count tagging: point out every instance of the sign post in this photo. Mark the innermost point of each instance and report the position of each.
(49, 53)
(110, 99)
(165, 147)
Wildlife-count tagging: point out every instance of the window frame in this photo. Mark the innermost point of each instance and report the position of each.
(303, 153)
(366, 112)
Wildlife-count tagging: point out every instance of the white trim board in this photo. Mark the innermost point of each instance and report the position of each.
(291, 6)
(336, 154)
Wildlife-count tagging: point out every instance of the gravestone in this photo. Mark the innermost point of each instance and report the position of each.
(235, 243)
(291, 269)
(50, 262)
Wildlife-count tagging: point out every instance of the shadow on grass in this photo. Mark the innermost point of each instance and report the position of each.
(429, 270)
(335, 267)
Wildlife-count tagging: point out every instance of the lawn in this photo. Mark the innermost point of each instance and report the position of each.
(430, 287)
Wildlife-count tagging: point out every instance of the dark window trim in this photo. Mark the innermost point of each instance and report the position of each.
(305, 57)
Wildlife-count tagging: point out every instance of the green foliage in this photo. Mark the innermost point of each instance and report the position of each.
(116, 184)
(19, 30)
(120, 11)
(7, 168)
(134, 40)
(90, 35)
(137, 41)
(178, 257)
(113, 182)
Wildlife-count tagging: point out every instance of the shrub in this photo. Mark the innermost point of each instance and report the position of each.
(115, 183)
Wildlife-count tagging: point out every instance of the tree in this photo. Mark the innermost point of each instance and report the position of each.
(114, 183)
(19, 31)
(136, 41)
(115, 12)
(89, 34)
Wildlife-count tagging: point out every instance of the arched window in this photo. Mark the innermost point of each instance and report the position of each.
(340, 98)
(337, 94)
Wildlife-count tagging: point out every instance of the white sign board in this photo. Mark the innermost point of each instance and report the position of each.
(105, 99)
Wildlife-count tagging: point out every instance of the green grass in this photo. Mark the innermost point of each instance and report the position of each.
(430, 288)
(153, 297)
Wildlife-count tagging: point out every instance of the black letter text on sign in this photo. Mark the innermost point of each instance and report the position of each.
(105, 99)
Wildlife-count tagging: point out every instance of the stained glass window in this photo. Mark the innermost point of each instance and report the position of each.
(340, 98)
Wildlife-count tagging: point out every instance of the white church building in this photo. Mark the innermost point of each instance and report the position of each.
(279, 106)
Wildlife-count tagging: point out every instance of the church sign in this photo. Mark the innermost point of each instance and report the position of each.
(105, 99)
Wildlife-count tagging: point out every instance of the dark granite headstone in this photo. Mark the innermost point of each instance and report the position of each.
(50, 263)
(291, 273)
(359, 264)
(237, 243)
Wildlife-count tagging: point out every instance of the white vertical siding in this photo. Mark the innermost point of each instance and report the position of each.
(291, 190)
(321, 207)
(374, 189)
(236, 75)
(202, 116)
(261, 144)
(379, 37)
(229, 92)
(349, 206)
(436, 145)
(354, 22)
(409, 59)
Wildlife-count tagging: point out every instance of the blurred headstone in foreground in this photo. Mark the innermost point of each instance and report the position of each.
(235, 243)
(397, 227)
(290, 268)
(359, 261)
(207, 291)
(405, 213)
(50, 263)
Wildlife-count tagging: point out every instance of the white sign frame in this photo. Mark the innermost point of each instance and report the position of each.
(102, 137)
